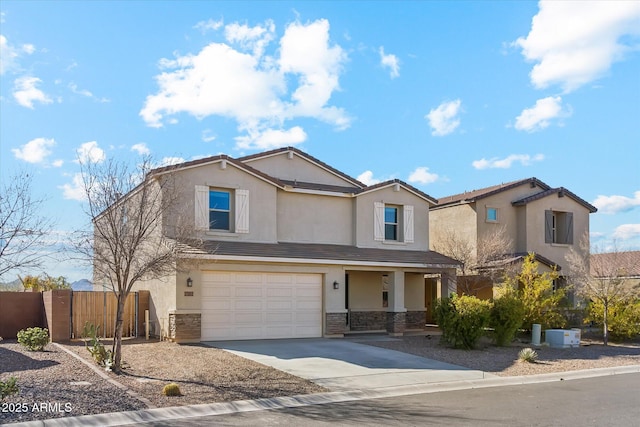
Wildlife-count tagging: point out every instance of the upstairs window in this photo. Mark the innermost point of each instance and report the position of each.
(558, 227)
(219, 210)
(393, 223)
(390, 223)
(492, 215)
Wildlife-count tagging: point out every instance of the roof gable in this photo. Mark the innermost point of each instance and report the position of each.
(293, 165)
(474, 195)
(400, 184)
(561, 192)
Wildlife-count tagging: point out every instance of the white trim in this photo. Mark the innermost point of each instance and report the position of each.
(408, 224)
(318, 192)
(176, 311)
(242, 211)
(201, 203)
(378, 222)
(392, 183)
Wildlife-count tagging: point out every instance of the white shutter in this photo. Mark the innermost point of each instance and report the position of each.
(202, 207)
(242, 211)
(378, 221)
(408, 223)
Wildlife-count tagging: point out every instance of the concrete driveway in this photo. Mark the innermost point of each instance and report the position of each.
(340, 364)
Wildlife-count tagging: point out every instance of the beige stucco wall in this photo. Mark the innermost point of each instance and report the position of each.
(296, 168)
(414, 287)
(262, 200)
(461, 218)
(365, 290)
(162, 300)
(312, 218)
(535, 227)
(364, 211)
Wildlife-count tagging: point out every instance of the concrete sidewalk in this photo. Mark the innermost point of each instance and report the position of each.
(341, 365)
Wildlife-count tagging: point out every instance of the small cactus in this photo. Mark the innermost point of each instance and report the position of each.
(171, 390)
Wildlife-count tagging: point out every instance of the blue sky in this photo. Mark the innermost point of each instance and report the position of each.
(448, 96)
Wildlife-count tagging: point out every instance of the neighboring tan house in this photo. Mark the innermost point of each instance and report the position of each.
(623, 266)
(535, 218)
(295, 248)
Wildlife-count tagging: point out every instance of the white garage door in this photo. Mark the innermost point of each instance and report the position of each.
(241, 305)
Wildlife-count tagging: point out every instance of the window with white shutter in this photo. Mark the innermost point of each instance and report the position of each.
(408, 223)
(202, 207)
(242, 211)
(378, 221)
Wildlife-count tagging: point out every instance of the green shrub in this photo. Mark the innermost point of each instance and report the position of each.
(34, 339)
(171, 390)
(8, 388)
(462, 319)
(623, 320)
(100, 354)
(506, 318)
(528, 355)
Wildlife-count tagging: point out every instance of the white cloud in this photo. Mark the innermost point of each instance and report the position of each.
(496, 163)
(626, 231)
(207, 135)
(26, 92)
(271, 138)
(254, 39)
(422, 176)
(615, 204)
(169, 161)
(540, 115)
(35, 151)
(210, 25)
(367, 178)
(391, 62)
(90, 152)
(141, 148)
(9, 54)
(75, 190)
(575, 42)
(444, 118)
(258, 91)
(57, 163)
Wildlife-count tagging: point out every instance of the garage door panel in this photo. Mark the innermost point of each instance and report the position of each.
(216, 292)
(279, 291)
(240, 305)
(248, 291)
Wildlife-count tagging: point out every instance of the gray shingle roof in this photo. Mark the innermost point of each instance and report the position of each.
(312, 251)
(472, 196)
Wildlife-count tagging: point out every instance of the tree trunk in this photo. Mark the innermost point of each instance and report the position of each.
(605, 324)
(117, 335)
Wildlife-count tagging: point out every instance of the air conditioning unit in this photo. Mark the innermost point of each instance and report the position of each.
(562, 338)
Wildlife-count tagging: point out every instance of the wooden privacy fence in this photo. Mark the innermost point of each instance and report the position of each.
(99, 309)
(64, 312)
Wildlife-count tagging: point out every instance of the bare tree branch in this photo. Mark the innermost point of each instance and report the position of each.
(130, 240)
(23, 227)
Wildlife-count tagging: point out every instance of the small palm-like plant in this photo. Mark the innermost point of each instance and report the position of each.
(528, 355)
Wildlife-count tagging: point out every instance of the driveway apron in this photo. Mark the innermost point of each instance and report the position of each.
(340, 364)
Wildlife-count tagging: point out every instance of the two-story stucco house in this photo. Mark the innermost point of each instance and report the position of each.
(295, 248)
(535, 217)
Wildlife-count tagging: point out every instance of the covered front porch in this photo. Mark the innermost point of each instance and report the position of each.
(394, 301)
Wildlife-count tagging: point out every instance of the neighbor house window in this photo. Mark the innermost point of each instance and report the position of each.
(390, 223)
(219, 210)
(558, 227)
(492, 215)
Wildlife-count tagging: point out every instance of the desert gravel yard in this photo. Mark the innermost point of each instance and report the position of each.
(67, 387)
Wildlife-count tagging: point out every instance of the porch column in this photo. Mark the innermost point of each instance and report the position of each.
(396, 311)
(447, 283)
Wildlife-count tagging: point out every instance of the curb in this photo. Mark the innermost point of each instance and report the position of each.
(203, 410)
